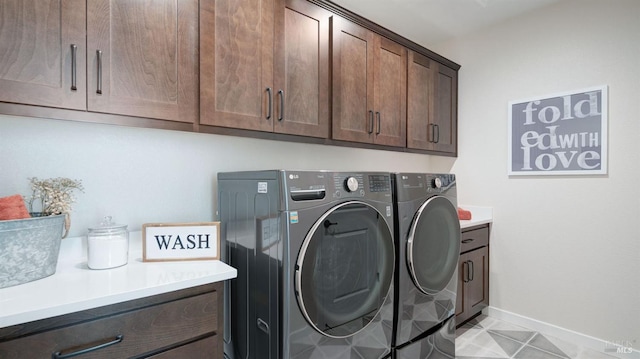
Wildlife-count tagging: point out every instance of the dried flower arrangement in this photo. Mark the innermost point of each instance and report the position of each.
(55, 195)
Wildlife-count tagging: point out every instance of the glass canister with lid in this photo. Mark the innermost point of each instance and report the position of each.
(108, 245)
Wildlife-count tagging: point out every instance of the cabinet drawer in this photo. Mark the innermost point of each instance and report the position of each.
(143, 331)
(203, 348)
(474, 238)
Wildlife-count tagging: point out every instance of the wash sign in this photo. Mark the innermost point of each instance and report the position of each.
(560, 134)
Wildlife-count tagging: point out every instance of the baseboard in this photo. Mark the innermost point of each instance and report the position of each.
(619, 350)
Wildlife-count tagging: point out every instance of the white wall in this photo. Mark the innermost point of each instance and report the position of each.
(564, 250)
(142, 175)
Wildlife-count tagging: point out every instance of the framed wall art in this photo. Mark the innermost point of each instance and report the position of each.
(559, 134)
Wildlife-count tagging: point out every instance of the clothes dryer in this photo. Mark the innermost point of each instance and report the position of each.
(427, 236)
(314, 251)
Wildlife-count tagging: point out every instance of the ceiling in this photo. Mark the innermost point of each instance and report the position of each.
(429, 22)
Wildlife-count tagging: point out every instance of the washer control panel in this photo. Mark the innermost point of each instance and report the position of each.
(439, 182)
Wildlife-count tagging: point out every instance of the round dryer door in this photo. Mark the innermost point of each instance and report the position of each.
(433, 246)
(345, 269)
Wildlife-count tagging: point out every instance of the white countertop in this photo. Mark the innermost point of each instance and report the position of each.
(479, 215)
(75, 287)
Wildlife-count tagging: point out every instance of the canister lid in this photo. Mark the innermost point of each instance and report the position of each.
(107, 226)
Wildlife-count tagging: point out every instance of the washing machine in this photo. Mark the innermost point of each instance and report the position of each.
(427, 232)
(314, 251)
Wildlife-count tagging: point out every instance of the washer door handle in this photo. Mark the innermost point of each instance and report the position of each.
(263, 325)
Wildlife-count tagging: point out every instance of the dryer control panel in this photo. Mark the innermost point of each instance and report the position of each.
(304, 186)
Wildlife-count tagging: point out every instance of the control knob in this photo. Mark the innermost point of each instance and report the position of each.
(351, 184)
(437, 182)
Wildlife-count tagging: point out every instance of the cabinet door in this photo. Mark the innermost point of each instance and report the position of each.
(353, 101)
(419, 101)
(445, 119)
(148, 62)
(37, 64)
(236, 64)
(390, 88)
(477, 287)
(301, 69)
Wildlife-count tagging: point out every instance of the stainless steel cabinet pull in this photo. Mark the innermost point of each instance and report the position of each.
(370, 122)
(281, 94)
(269, 103)
(433, 133)
(116, 340)
(468, 240)
(437, 133)
(472, 271)
(74, 51)
(378, 122)
(99, 87)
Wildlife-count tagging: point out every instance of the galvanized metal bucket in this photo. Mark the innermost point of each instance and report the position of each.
(29, 248)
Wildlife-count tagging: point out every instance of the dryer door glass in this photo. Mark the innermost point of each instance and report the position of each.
(345, 269)
(433, 246)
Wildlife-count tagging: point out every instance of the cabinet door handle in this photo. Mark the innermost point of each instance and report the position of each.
(433, 135)
(99, 61)
(93, 346)
(464, 271)
(370, 122)
(472, 271)
(281, 94)
(269, 103)
(378, 122)
(468, 240)
(74, 51)
(436, 133)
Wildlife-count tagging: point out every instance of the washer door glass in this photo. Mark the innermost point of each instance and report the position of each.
(433, 246)
(345, 269)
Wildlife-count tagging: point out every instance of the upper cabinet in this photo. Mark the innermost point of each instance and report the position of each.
(431, 105)
(143, 59)
(264, 65)
(369, 86)
(119, 57)
(302, 70)
(42, 53)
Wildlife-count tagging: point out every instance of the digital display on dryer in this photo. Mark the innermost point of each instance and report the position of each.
(379, 183)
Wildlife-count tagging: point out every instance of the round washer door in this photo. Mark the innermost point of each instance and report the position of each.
(433, 245)
(345, 269)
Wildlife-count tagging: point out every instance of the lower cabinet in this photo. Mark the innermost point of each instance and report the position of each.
(473, 273)
(182, 324)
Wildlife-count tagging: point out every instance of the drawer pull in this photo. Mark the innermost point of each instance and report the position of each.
(59, 355)
(468, 240)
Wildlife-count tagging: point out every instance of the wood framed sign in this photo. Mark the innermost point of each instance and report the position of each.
(180, 241)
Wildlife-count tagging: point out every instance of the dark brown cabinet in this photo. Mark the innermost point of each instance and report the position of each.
(42, 53)
(431, 105)
(142, 59)
(265, 66)
(182, 324)
(298, 70)
(473, 273)
(369, 86)
(116, 57)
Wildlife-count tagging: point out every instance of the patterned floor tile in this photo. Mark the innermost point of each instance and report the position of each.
(541, 342)
(529, 352)
(521, 336)
(487, 337)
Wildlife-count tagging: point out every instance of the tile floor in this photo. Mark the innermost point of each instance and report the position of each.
(486, 337)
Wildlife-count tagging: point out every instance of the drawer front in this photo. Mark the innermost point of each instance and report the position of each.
(474, 238)
(143, 331)
(203, 348)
